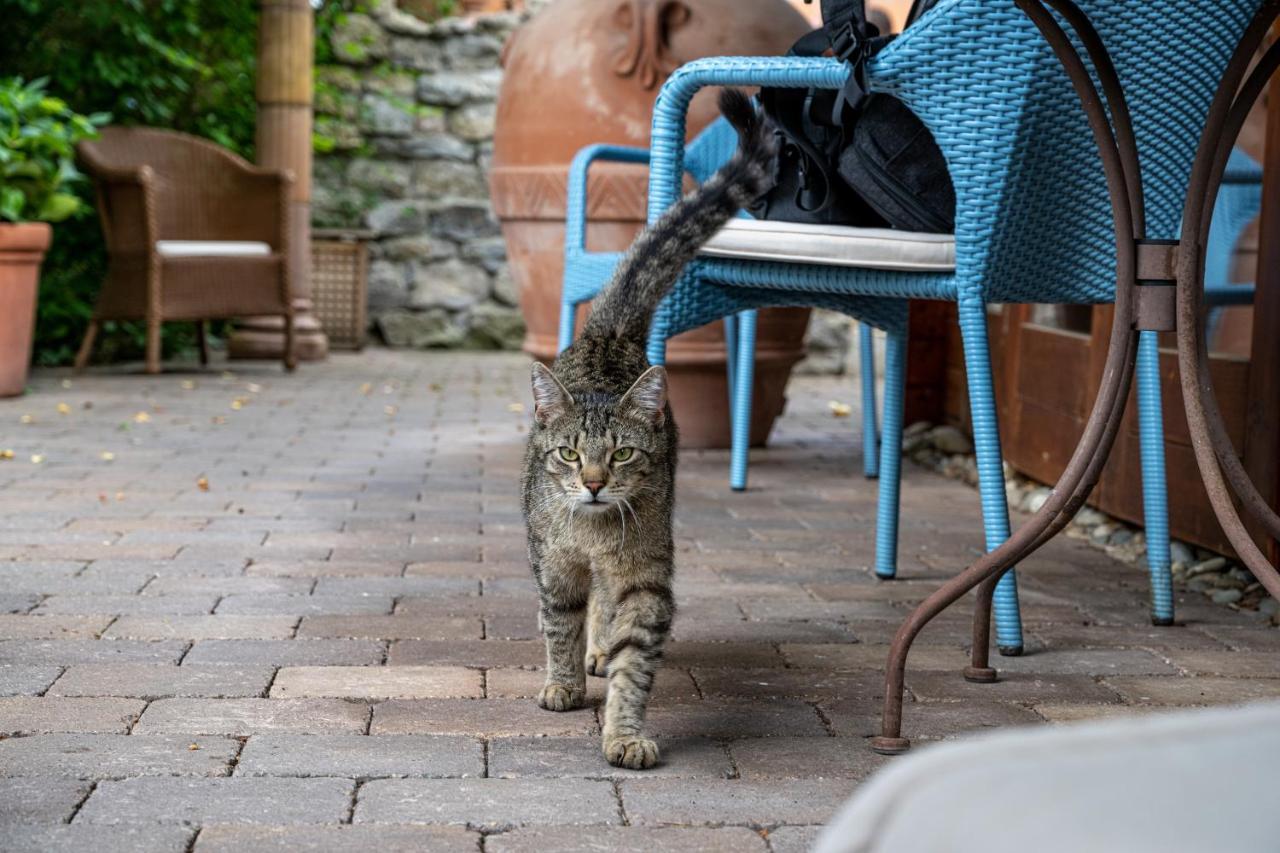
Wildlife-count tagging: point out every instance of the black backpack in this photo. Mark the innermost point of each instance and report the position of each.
(850, 157)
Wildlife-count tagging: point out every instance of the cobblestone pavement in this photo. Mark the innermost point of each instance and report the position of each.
(259, 612)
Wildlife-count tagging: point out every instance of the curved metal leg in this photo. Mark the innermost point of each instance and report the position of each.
(895, 378)
(867, 364)
(1155, 496)
(740, 415)
(986, 440)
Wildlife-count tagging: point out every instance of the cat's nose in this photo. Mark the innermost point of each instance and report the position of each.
(593, 486)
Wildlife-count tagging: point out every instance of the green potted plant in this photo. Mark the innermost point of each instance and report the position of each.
(38, 136)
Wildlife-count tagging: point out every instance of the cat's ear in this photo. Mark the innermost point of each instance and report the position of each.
(550, 399)
(647, 398)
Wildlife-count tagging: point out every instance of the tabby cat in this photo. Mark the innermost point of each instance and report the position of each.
(598, 489)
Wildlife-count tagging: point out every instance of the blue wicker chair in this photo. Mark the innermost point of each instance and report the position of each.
(585, 273)
(1033, 220)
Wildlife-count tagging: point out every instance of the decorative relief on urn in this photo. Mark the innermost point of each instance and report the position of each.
(649, 25)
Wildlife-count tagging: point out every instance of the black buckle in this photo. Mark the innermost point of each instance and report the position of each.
(848, 43)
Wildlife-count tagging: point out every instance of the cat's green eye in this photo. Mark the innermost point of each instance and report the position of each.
(568, 454)
(623, 454)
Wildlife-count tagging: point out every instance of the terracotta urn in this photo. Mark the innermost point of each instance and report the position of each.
(588, 71)
(22, 248)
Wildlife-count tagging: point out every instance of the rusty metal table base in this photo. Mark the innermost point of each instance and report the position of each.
(1169, 299)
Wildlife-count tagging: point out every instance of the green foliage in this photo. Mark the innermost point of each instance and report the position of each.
(182, 64)
(38, 135)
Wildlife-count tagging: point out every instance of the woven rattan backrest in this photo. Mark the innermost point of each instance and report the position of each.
(1033, 220)
(199, 193)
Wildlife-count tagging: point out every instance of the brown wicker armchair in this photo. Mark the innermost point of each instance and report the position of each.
(193, 232)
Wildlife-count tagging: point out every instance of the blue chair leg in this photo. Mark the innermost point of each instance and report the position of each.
(895, 377)
(568, 315)
(731, 355)
(986, 439)
(740, 415)
(1155, 493)
(870, 442)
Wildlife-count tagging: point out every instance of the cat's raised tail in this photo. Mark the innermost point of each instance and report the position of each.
(625, 307)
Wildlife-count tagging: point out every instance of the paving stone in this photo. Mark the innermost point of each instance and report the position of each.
(873, 656)
(153, 605)
(76, 838)
(804, 757)
(732, 801)
(1194, 691)
(11, 602)
(627, 839)
(488, 718)
(1056, 712)
(393, 627)
(91, 756)
(336, 839)
(14, 627)
(67, 652)
(721, 718)
(229, 586)
(202, 628)
(378, 682)
(34, 799)
(861, 719)
(697, 655)
(18, 680)
(488, 803)
(324, 569)
(1074, 635)
(1092, 662)
(421, 586)
(1233, 664)
(302, 605)
(779, 683)
(483, 653)
(362, 756)
(30, 714)
(240, 717)
(288, 652)
(670, 684)
(237, 800)
(1012, 687)
(154, 681)
(555, 758)
(742, 631)
(793, 839)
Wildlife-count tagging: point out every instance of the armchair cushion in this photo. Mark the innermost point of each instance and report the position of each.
(212, 248)
(834, 245)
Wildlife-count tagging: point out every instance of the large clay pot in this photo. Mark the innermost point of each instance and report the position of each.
(22, 248)
(588, 71)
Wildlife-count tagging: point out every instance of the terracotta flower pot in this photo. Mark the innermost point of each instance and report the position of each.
(22, 248)
(588, 71)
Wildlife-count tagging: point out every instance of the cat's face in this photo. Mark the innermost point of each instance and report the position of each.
(600, 450)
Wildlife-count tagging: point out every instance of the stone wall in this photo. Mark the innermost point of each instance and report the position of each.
(407, 116)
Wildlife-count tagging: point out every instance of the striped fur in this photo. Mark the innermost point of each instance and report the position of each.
(598, 489)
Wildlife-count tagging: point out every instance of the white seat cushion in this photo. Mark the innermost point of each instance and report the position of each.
(211, 249)
(834, 245)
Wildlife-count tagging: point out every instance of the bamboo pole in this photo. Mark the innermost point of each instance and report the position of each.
(286, 50)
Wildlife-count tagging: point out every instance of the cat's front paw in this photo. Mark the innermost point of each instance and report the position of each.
(561, 697)
(596, 662)
(631, 751)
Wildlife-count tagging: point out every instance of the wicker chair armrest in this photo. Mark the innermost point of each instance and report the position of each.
(670, 112)
(576, 197)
